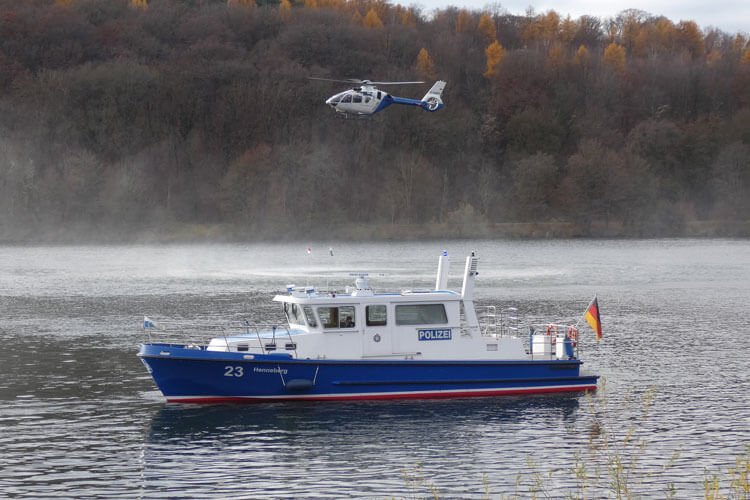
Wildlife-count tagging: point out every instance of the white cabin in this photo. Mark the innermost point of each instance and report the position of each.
(436, 324)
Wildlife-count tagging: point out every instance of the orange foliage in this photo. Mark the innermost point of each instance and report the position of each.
(487, 28)
(631, 29)
(65, 4)
(614, 57)
(372, 20)
(243, 3)
(544, 29)
(713, 57)
(690, 38)
(568, 29)
(425, 64)
(406, 16)
(139, 4)
(495, 53)
(582, 57)
(745, 57)
(285, 9)
(557, 57)
(738, 44)
(465, 22)
(667, 33)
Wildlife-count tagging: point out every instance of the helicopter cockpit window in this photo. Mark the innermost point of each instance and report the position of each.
(335, 99)
(357, 98)
(347, 98)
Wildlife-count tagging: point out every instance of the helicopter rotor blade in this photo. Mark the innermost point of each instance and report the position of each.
(357, 81)
(391, 83)
(348, 80)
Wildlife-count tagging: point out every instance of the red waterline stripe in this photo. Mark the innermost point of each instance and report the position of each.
(359, 397)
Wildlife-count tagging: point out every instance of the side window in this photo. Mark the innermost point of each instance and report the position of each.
(347, 98)
(357, 98)
(329, 316)
(421, 314)
(337, 317)
(376, 315)
(346, 316)
(310, 316)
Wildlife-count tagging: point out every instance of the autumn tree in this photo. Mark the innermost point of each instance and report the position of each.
(465, 22)
(285, 9)
(690, 38)
(372, 20)
(242, 3)
(425, 64)
(139, 4)
(582, 57)
(614, 57)
(495, 53)
(487, 29)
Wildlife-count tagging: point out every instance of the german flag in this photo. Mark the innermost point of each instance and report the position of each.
(592, 317)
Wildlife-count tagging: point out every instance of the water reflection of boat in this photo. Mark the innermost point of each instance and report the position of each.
(392, 420)
(366, 345)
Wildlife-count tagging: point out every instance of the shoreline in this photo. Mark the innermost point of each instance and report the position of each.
(235, 233)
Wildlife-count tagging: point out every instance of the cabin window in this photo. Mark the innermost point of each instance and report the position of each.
(337, 317)
(347, 98)
(376, 315)
(310, 316)
(294, 314)
(357, 98)
(421, 314)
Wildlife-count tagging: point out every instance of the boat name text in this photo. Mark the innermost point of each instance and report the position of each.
(270, 370)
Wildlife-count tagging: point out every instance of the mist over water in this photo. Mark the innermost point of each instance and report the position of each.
(80, 417)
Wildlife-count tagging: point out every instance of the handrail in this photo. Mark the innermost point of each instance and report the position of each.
(198, 336)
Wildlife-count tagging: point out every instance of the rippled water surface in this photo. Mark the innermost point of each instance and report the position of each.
(80, 417)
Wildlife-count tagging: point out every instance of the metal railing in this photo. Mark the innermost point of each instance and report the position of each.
(498, 324)
(254, 338)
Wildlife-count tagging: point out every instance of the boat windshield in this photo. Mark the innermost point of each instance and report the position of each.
(294, 314)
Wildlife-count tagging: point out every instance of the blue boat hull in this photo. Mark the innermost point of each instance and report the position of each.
(198, 376)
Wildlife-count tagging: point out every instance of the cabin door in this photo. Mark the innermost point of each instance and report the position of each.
(377, 340)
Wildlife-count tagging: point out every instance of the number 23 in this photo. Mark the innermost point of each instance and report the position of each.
(233, 371)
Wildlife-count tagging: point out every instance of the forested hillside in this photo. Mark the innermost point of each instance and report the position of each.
(119, 116)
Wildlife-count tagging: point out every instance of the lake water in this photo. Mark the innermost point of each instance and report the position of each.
(80, 417)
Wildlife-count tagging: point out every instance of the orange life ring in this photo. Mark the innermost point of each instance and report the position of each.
(573, 336)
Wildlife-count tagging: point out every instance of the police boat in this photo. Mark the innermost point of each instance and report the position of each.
(364, 344)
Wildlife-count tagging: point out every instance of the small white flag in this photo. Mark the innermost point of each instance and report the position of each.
(309, 250)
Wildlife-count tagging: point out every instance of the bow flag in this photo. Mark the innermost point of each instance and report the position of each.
(147, 323)
(592, 317)
(309, 250)
(330, 251)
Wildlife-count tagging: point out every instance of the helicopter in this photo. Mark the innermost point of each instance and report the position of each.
(366, 100)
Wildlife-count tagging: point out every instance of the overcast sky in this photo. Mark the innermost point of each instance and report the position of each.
(730, 16)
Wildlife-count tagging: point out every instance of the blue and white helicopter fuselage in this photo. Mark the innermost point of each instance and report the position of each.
(367, 99)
